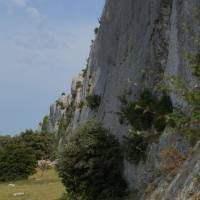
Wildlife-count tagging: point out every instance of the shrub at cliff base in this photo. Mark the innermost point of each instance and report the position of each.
(16, 162)
(91, 164)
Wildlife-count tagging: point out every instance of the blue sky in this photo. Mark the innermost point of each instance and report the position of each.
(43, 44)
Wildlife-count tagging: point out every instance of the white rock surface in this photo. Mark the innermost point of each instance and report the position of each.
(137, 36)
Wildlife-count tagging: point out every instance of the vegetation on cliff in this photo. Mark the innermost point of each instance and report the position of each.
(145, 115)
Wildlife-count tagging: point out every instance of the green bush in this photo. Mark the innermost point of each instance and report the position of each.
(45, 124)
(194, 60)
(4, 141)
(149, 111)
(61, 104)
(192, 134)
(196, 64)
(42, 144)
(65, 121)
(16, 162)
(165, 105)
(91, 164)
(135, 147)
(96, 30)
(93, 101)
(84, 71)
(143, 115)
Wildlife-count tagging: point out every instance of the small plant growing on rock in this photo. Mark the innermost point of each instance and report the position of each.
(84, 71)
(171, 159)
(78, 85)
(61, 104)
(45, 124)
(149, 111)
(93, 101)
(81, 105)
(96, 30)
(194, 61)
(135, 147)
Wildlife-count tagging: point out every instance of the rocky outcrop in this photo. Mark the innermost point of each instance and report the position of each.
(185, 185)
(57, 110)
(138, 45)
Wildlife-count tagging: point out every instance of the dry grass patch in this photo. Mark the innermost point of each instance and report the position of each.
(48, 187)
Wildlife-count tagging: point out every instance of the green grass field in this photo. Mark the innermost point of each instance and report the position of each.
(48, 187)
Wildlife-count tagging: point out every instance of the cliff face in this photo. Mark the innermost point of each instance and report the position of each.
(139, 44)
(184, 186)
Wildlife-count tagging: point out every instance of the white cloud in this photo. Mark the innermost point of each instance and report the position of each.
(35, 14)
(18, 3)
(15, 4)
(24, 5)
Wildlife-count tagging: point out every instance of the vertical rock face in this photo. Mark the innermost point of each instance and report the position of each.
(56, 112)
(136, 37)
(185, 185)
(139, 43)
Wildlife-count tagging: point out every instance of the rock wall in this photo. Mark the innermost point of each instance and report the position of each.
(185, 185)
(57, 110)
(139, 43)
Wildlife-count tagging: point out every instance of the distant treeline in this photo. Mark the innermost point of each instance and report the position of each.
(19, 154)
(42, 144)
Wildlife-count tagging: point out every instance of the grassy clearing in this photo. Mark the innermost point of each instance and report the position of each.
(48, 187)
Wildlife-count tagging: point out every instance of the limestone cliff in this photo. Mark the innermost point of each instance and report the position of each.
(138, 44)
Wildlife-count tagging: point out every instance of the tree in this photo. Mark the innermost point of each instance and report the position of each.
(4, 141)
(16, 162)
(45, 124)
(42, 144)
(91, 164)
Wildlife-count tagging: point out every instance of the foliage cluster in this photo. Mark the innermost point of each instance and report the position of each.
(5, 141)
(42, 144)
(16, 162)
(93, 101)
(18, 154)
(135, 147)
(91, 164)
(148, 112)
(61, 104)
(186, 123)
(84, 71)
(96, 30)
(194, 61)
(193, 98)
(65, 120)
(45, 124)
